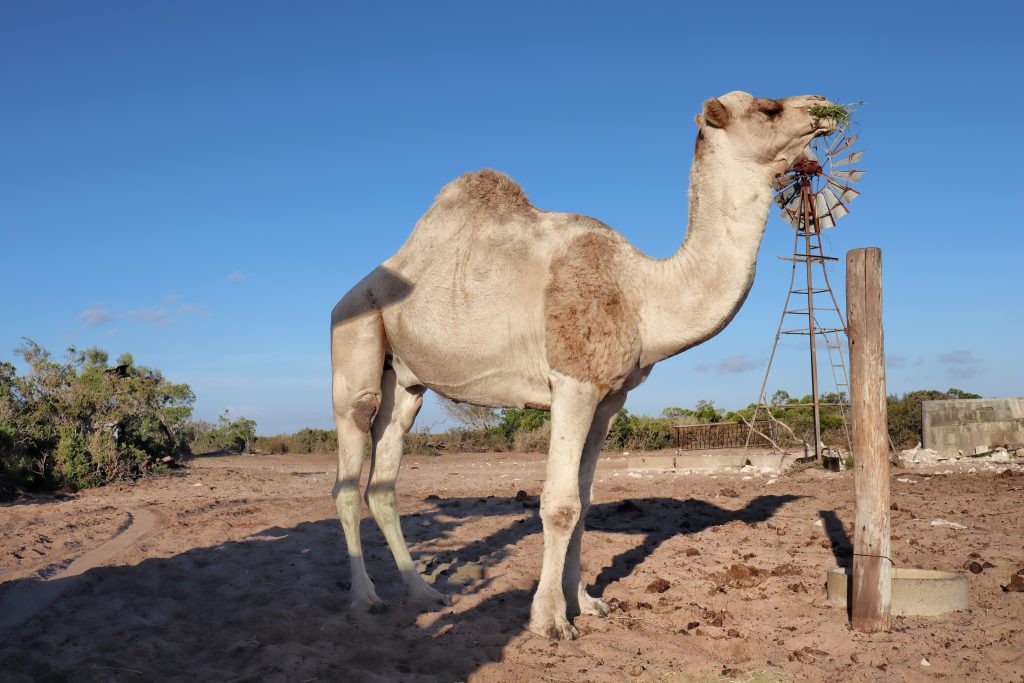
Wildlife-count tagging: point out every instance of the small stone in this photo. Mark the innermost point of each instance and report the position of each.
(925, 662)
(658, 586)
(692, 552)
(692, 625)
(733, 633)
(975, 568)
(729, 493)
(468, 573)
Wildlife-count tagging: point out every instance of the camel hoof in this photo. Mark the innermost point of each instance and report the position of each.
(595, 607)
(369, 603)
(426, 596)
(558, 629)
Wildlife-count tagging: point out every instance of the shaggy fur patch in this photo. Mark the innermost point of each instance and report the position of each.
(488, 191)
(364, 409)
(590, 334)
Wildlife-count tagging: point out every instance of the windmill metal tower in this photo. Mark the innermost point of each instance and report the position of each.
(813, 194)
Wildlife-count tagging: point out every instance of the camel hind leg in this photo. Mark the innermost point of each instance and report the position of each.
(357, 362)
(398, 410)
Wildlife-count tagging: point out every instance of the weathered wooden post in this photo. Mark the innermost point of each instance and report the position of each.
(872, 567)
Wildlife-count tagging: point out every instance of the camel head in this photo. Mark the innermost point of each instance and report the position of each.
(765, 132)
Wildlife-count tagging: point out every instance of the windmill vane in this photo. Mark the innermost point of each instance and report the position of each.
(813, 193)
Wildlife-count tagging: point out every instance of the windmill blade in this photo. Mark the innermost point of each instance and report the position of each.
(820, 206)
(795, 202)
(785, 196)
(782, 180)
(836, 208)
(846, 194)
(831, 200)
(849, 176)
(845, 143)
(826, 221)
(846, 161)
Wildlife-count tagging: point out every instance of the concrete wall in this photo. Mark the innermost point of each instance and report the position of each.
(963, 424)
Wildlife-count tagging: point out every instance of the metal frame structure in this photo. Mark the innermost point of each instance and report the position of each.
(811, 206)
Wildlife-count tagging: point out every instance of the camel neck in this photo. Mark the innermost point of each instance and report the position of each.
(692, 295)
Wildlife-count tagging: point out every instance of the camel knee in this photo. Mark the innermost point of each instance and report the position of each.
(362, 411)
(561, 516)
(379, 495)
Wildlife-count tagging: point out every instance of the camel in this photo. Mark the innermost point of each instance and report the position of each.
(494, 302)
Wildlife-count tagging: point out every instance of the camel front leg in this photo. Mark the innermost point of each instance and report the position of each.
(576, 596)
(572, 413)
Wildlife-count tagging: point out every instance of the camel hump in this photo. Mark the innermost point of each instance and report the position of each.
(491, 190)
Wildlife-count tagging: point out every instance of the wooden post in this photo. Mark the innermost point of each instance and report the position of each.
(871, 596)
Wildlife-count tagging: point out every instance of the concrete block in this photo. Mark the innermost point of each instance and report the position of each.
(921, 592)
(710, 462)
(961, 424)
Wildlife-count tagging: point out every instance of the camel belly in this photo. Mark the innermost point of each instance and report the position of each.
(482, 357)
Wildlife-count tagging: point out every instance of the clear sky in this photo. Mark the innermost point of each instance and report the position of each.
(199, 182)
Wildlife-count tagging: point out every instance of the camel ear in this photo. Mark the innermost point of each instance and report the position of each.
(715, 114)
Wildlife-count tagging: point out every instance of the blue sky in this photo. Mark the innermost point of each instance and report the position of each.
(198, 183)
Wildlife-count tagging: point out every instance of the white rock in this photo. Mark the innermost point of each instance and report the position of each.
(946, 522)
(978, 450)
(747, 478)
(819, 523)
(925, 662)
(771, 481)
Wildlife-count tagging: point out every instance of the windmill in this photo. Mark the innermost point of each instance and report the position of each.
(813, 194)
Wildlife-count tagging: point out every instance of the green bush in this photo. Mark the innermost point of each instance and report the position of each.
(516, 420)
(639, 432)
(82, 422)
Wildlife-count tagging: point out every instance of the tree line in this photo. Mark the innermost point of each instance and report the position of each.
(84, 421)
(527, 430)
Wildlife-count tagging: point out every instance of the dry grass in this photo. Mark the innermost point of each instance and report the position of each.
(842, 113)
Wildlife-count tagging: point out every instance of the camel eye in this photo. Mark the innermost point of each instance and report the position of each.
(770, 108)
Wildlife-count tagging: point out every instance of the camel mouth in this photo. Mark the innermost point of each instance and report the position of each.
(825, 126)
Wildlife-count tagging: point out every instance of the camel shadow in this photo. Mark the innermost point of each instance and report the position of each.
(273, 606)
(656, 520)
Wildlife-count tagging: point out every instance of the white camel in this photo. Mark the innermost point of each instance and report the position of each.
(494, 302)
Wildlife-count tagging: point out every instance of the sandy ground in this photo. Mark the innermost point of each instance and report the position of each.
(233, 570)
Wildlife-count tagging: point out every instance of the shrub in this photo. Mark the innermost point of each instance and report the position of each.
(536, 440)
(81, 422)
(639, 432)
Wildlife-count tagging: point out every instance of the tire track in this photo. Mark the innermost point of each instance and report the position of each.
(31, 597)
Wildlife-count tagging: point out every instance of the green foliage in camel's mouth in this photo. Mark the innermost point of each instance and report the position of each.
(842, 114)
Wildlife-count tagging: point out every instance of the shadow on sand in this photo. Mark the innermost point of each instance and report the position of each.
(273, 606)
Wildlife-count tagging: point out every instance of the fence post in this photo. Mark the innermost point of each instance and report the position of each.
(871, 596)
